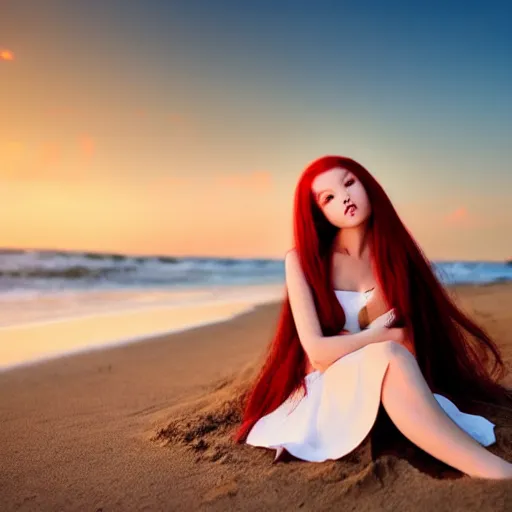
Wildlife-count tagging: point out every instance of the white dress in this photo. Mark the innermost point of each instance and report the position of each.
(342, 403)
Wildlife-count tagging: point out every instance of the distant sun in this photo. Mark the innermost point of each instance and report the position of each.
(6, 55)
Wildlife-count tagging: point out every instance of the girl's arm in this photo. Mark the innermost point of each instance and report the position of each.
(321, 350)
(380, 314)
(335, 347)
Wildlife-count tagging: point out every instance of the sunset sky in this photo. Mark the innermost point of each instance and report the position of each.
(181, 128)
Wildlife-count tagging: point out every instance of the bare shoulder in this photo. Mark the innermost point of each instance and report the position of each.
(293, 269)
(292, 253)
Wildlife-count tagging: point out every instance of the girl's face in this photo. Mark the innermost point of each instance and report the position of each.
(334, 190)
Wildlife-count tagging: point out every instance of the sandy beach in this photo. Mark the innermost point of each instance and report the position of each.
(147, 426)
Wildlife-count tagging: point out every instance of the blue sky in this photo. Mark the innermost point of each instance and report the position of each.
(151, 91)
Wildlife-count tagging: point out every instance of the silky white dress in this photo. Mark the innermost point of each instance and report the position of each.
(342, 403)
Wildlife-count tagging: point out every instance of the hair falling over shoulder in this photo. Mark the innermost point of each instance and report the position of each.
(457, 357)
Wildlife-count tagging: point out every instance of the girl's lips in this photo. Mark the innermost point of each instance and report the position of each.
(347, 209)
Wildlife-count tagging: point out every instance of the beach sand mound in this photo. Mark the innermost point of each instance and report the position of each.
(384, 464)
(206, 425)
(378, 470)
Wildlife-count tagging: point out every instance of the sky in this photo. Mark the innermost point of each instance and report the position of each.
(181, 128)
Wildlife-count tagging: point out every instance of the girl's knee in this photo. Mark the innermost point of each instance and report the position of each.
(390, 348)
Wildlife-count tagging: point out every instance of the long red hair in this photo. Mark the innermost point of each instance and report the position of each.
(457, 357)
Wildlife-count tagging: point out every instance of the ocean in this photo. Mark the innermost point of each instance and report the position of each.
(57, 302)
(66, 278)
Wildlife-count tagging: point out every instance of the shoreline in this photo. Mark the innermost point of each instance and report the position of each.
(24, 353)
(76, 334)
(144, 315)
(44, 339)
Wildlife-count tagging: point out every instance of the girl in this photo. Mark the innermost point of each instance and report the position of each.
(405, 345)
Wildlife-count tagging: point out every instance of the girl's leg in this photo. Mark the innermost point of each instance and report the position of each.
(416, 413)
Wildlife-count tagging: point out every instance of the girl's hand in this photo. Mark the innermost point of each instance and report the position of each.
(384, 320)
(397, 334)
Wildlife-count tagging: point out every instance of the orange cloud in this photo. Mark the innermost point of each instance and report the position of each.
(6, 55)
(262, 180)
(458, 216)
(141, 113)
(177, 118)
(259, 180)
(183, 124)
(87, 146)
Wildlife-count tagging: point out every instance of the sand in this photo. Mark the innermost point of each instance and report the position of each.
(147, 426)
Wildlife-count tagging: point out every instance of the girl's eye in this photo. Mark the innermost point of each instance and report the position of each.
(349, 182)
